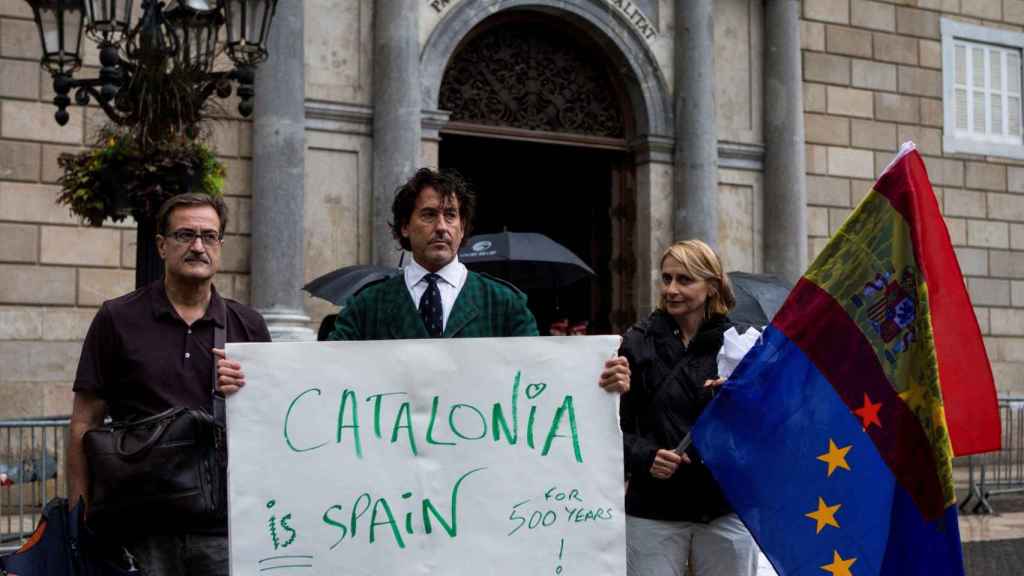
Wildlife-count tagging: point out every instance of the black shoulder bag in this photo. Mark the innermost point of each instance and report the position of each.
(169, 465)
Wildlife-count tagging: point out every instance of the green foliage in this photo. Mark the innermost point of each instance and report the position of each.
(118, 178)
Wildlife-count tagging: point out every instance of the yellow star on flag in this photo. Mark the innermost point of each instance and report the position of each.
(914, 396)
(839, 566)
(825, 514)
(835, 457)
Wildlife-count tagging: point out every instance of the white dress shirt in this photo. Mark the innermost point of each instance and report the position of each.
(453, 276)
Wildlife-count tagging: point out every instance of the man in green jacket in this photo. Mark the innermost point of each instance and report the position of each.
(431, 214)
(436, 296)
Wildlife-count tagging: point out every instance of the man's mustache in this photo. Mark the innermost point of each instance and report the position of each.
(197, 257)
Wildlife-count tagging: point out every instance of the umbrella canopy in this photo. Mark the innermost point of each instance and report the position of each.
(527, 259)
(338, 285)
(758, 298)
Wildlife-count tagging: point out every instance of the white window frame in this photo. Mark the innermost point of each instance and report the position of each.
(952, 31)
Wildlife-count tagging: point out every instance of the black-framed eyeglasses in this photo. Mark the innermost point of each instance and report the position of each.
(187, 236)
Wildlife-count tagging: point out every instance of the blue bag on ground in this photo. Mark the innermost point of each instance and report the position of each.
(62, 546)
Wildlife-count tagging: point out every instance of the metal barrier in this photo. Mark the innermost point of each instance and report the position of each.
(1000, 472)
(31, 473)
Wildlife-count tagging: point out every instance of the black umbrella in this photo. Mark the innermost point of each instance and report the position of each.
(337, 286)
(758, 298)
(527, 259)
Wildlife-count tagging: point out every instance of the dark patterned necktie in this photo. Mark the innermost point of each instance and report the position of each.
(430, 307)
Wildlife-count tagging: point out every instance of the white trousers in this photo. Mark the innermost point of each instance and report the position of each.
(662, 548)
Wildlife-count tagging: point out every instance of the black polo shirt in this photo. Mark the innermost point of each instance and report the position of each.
(142, 358)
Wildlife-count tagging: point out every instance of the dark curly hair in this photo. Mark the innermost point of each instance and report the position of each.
(447, 183)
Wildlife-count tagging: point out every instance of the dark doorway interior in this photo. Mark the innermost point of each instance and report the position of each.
(561, 191)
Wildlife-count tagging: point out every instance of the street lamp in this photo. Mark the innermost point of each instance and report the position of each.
(108, 20)
(60, 32)
(196, 33)
(248, 26)
(170, 50)
(157, 73)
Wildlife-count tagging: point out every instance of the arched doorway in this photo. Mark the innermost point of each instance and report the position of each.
(540, 125)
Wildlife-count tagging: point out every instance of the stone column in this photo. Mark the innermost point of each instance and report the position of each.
(278, 176)
(396, 115)
(696, 155)
(785, 189)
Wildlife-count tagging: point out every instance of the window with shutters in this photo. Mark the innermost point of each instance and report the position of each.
(982, 90)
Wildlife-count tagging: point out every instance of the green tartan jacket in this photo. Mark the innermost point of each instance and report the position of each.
(485, 307)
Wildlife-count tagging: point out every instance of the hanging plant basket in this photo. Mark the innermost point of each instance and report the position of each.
(118, 179)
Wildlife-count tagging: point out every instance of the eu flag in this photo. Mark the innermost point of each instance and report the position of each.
(834, 438)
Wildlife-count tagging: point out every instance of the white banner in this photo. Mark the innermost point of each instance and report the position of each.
(459, 456)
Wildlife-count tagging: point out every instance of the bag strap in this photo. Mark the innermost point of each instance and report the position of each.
(220, 337)
(142, 450)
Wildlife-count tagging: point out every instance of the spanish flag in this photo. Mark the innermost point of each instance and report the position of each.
(834, 438)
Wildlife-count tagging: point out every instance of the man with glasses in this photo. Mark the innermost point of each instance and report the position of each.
(153, 349)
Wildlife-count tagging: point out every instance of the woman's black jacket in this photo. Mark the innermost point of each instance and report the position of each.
(666, 396)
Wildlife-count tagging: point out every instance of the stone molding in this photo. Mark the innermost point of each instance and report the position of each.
(358, 119)
(651, 149)
(648, 91)
(731, 155)
(338, 117)
(433, 122)
(741, 156)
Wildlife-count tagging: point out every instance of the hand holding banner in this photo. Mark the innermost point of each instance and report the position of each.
(494, 455)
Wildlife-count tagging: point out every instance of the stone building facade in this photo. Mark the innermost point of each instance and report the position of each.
(613, 126)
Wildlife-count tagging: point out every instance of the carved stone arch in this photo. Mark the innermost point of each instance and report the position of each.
(525, 70)
(647, 91)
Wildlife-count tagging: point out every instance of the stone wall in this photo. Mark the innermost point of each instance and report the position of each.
(339, 84)
(55, 272)
(873, 79)
(339, 49)
(739, 43)
(337, 215)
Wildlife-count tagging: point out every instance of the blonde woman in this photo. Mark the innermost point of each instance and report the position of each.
(675, 513)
